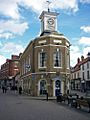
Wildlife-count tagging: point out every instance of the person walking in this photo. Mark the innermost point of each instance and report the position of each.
(20, 90)
(15, 89)
(3, 88)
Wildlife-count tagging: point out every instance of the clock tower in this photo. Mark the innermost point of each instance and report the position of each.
(48, 21)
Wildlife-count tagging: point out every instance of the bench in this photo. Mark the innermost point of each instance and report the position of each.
(67, 97)
(84, 103)
(72, 99)
(62, 98)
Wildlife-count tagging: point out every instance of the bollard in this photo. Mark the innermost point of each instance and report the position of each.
(47, 96)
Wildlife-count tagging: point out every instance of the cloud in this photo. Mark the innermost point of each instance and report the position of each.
(55, 4)
(74, 54)
(11, 24)
(78, 50)
(85, 51)
(10, 28)
(85, 40)
(85, 29)
(2, 60)
(6, 35)
(10, 8)
(85, 1)
(36, 5)
(71, 5)
(0, 44)
(12, 48)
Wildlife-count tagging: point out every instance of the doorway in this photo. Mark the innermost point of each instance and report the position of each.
(43, 89)
(57, 87)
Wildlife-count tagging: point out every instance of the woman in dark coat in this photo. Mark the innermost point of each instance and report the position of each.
(20, 90)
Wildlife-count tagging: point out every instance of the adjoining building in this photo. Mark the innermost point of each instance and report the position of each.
(80, 74)
(45, 63)
(8, 70)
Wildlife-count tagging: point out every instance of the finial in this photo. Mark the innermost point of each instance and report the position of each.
(48, 2)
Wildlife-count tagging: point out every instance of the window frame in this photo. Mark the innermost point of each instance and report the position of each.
(42, 64)
(57, 59)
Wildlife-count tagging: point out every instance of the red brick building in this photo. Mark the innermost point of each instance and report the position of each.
(9, 69)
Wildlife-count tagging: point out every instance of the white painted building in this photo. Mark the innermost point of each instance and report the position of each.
(80, 74)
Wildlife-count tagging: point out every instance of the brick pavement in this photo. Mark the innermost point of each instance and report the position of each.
(16, 107)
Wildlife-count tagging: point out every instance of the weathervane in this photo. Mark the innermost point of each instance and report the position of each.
(48, 2)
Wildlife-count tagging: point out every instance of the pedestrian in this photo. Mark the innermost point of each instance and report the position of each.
(3, 88)
(68, 91)
(20, 90)
(15, 89)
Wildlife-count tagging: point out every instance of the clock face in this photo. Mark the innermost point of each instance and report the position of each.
(50, 21)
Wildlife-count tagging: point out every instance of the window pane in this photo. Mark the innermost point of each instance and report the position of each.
(87, 74)
(57, 59)
(42, 59)
(87, 64)
(83, 75)
(82, 67)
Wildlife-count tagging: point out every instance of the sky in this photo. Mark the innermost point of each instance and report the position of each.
(20, 23)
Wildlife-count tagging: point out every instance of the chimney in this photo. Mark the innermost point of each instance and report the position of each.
(88, 55)
(82, 58)
(78, 60)
(7, 60)
(15, 57)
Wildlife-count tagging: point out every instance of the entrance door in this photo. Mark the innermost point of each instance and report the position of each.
(43, 87)
(57, 87)
(83, 87)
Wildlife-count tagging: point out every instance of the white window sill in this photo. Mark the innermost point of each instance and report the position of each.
(57, 67)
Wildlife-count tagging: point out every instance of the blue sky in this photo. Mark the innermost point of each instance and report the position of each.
(19, 24)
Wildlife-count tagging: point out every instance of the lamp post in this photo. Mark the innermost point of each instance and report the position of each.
(67, 83)
(85, 86)
(28, 67)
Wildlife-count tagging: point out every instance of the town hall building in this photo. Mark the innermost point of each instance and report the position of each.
(45, 63)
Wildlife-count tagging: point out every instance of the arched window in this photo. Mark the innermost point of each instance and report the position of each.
(57, 58)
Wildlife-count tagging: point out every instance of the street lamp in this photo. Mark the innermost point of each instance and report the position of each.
(28, 67)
